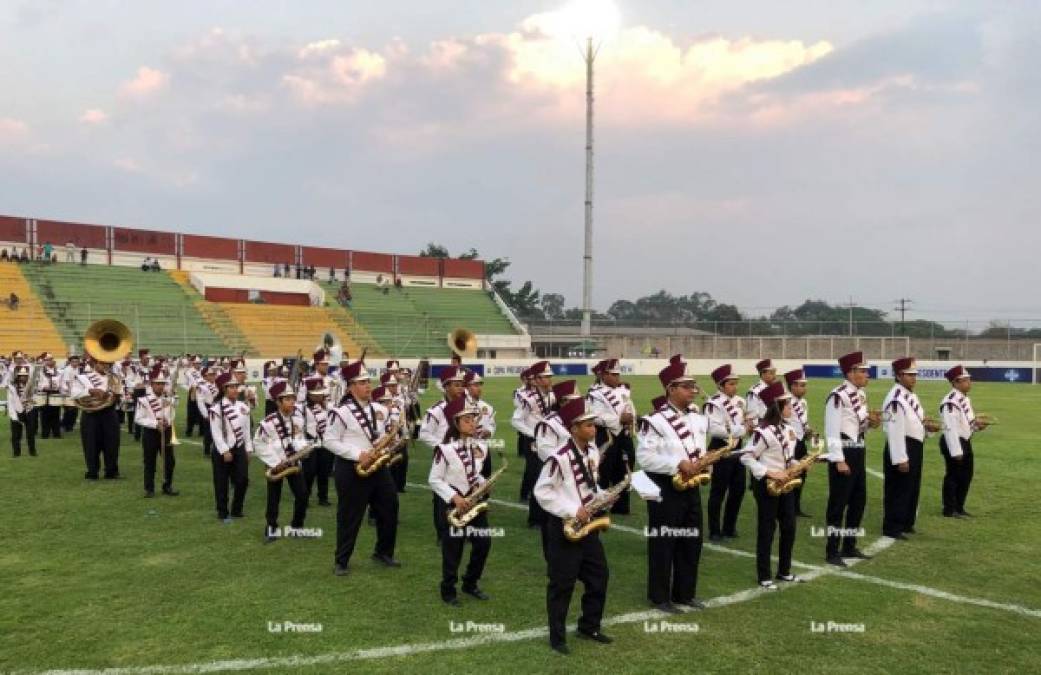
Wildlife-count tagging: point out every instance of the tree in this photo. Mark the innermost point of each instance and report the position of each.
(434, 251)
(553, 306)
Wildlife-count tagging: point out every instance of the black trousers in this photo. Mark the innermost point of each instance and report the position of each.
(354, 495)
(50, 421)
(486, 468)
(207, 437)
(452, 543)
(274, 498)
(674, 543)
(25, 425)
(773, 513)
(318, 467)
(399, 472)
(99, 433)
(619, 454)
(532, 466)
(566, 563)
(800, 452)
(192, 418)
(68, 417)
(847, 496)
(152, 446)
(957, 478)
(726, 493)
(900, 490)
(227, 474)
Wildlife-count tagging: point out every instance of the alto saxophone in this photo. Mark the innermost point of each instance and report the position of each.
(793, 475)
(384, 453)
(476, 505)
(704, 477)
(291, 465)
(599, 520)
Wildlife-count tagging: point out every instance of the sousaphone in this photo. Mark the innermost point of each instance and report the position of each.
(463, 342)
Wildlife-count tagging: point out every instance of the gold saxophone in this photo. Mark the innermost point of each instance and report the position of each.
(931, 424)
(291, 465)
(599, 520)
(475, 500)
(792, 475)
(704, 477)
(384, 453)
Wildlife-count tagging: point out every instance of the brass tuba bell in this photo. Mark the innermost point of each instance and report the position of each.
(107, 340)
(463, 342)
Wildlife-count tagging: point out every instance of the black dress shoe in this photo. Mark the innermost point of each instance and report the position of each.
(964, 514)
(730, 535)
(910, 530)
(857, 553)
(837, 561)
(32, 453)
(114, 476)
(595, 636)
(269, 538)
(324, 502)
(238, 515)
(899, 536)
(667, 607)
(560, 648)
(385, 560)
(691, 604)
(802, 514)
(476, 592)
(341, 570)
(452, 601)
(715, 538)
(149, 494)
(948, 514)
(170, 492)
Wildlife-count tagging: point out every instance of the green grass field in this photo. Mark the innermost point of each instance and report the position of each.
(99, 577)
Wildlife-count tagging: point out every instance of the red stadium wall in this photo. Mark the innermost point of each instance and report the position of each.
(419, 266)
(373, 262)
(144, 241)
(12, 229)
(269, 297)
(324, 258)
(463, 269)
(200, 246)
(266, 252)
(58, 233)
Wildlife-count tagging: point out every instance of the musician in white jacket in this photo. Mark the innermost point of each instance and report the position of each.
(280, 437)
(454, 475)
(22, 413)
(959, 424)
(904, 426)
(154, 415)
(566, 485)
(232, 447)
(725, 414)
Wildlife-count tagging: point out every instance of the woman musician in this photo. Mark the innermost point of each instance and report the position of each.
(454, 474)
(768, 454)
(279, 437)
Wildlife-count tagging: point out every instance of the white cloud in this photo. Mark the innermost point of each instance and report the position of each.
(13, 131)
(94, 116)
(146, 82)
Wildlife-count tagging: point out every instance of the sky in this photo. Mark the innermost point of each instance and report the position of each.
(763, 152)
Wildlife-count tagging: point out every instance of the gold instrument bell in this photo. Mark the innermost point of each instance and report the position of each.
(463, 342)
(107, 340)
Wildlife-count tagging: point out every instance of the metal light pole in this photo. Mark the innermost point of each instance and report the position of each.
(589, 55)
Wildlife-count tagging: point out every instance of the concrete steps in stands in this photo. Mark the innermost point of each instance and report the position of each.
(281, 330)
(29, 328)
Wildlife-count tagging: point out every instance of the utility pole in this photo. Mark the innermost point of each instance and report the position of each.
(902, 306)
(587, 261)
(851, 316)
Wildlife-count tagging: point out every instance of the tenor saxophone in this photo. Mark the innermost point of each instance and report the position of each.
(291, 465)
(704, 477)
(476, 504)
(597, 507)
(793, 475)
(384, 453)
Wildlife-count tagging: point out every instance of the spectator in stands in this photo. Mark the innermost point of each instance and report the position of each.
(13, 301)
(297, 271)
(25, 255)
(278, 271)
(3, 256)
(70, 252)
(332, 274)
(83, 256)
(47, 251)
(397, 283)
(155, 265)
(285, 270)
(145, 264)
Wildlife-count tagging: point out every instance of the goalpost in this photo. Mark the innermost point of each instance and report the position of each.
(1034, 363)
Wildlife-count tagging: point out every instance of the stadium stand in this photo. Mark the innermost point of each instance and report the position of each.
(281, 330)
(29, 328)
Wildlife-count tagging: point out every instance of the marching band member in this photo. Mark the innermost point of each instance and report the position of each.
(232, 446)
(154, 415)
(523, 442)
(533, 405)
(486, 424)
(846, 419)
(21, 411)
(247, 392)
(754, 406)
(435, 426)
(206, 394)
(140, 387)
(99, 430)
(550, 432)
(454, 474)
(279, 437)
(566, 483)
(671, 441)
(799, 421)
(48, 391)
(397, 403)
(615, 417)
(354, 428)
(768, 454)
(266, 382)
(726, 418)
(70, 412)
(191, 383)
(959, 423)
(318, 466)
(904, 426)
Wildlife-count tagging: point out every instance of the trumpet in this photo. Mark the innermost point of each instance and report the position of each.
(476, 505)
(384, 453)
(291, 465)
(704, 477)
(931, 424)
